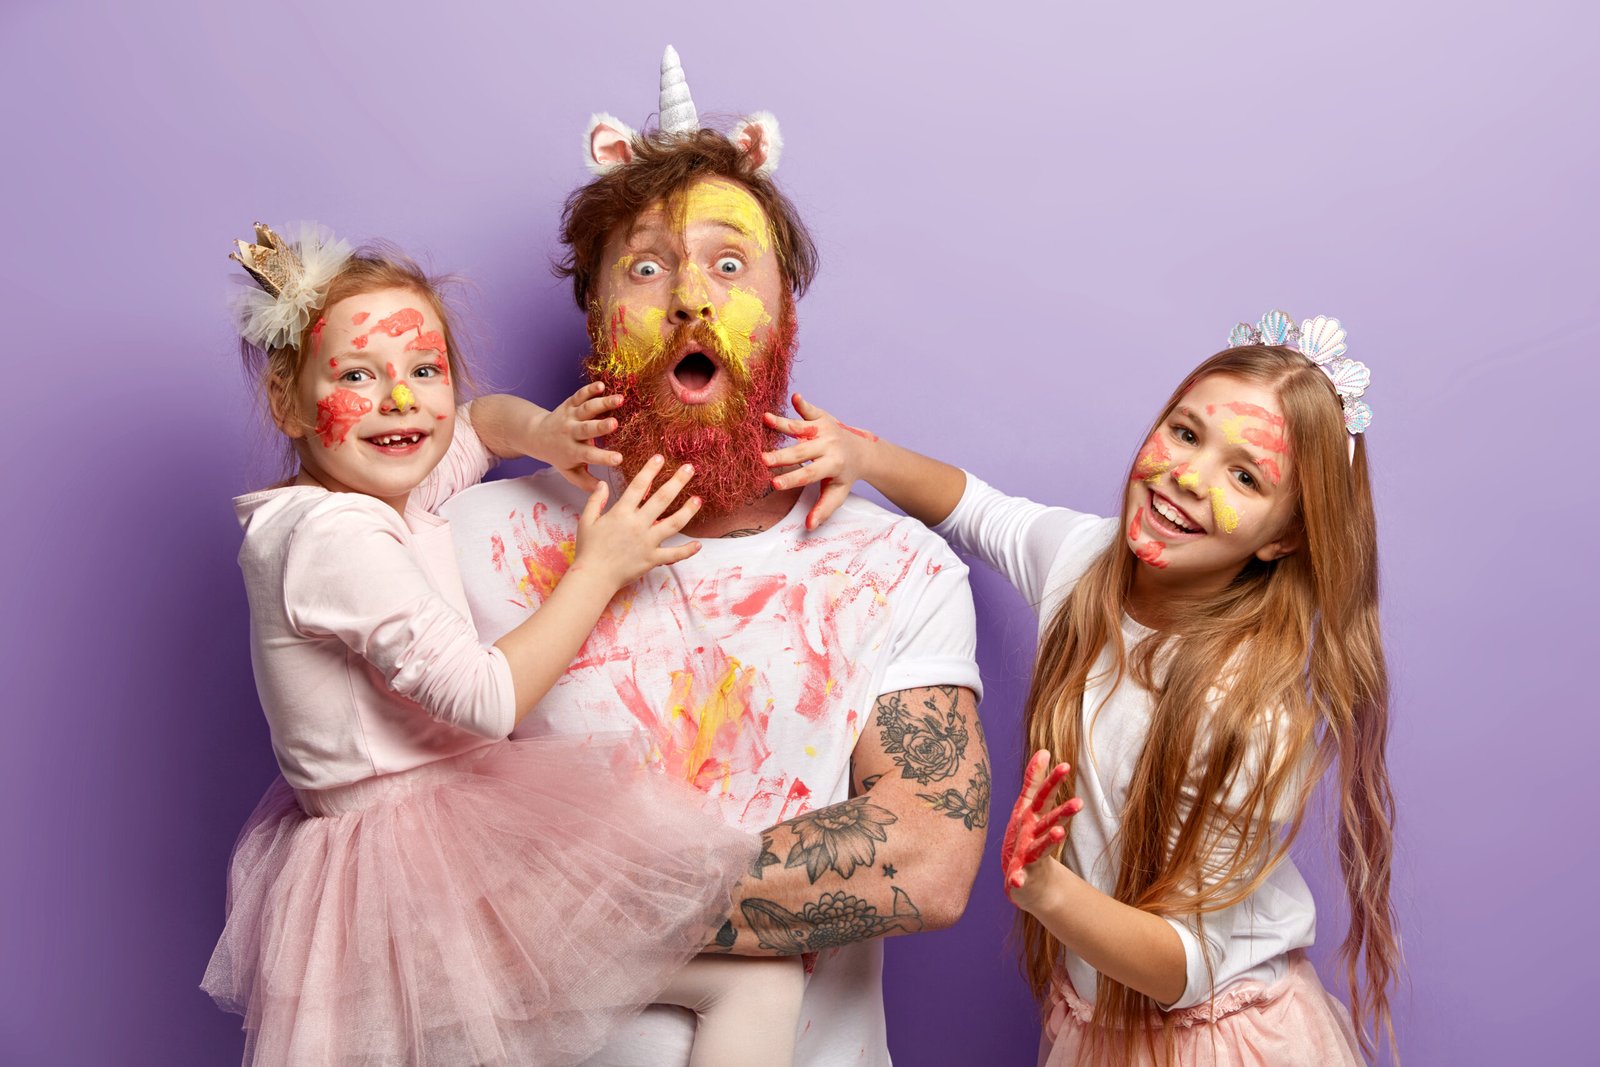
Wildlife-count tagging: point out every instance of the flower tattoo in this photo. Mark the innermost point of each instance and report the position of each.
(971, 806)
(928, 748)
(837, 919)
(839, 838)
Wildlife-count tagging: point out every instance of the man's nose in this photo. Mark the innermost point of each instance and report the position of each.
(692, 298)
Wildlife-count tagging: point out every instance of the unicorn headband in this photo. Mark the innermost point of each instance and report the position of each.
(1321, 340)
(608, 142)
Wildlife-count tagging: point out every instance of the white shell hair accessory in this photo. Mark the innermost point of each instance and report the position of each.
(291, 278)
(608, 141)
(1321, 340)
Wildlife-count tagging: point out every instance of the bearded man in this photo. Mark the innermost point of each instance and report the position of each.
(816, 686)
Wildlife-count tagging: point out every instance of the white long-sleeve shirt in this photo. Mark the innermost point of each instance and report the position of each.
(1043, 551)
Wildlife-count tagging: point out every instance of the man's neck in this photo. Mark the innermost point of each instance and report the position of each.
(754, 517)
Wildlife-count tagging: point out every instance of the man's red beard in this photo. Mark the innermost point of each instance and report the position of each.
(724, 441)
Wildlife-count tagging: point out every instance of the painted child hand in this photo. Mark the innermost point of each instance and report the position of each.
(625, 542)
(563, 437)
(833, 453)
(1034, 832)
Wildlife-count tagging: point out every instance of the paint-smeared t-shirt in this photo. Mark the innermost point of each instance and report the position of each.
(750, 669)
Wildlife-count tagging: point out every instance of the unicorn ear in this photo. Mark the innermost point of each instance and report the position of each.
(607, 143)
(758, 138)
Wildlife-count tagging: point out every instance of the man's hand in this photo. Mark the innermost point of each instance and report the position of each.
(896, 858)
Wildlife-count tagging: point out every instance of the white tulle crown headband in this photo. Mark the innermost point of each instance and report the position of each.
(292, 278)
(608, 142)
(1321, 340)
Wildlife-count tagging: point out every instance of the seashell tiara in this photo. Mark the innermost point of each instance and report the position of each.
(1321, 340)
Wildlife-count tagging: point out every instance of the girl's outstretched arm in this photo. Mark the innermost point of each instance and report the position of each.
(563, 437)
(838, 455)
(1136, 948)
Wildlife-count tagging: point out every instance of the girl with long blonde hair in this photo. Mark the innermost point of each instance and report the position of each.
(1205, 660)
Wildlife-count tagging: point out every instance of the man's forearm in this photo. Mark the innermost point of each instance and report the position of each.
(898, 858)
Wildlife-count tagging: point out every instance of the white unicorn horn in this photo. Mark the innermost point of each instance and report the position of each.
(677, 108)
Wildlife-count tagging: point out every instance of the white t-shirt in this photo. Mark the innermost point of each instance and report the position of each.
(751, 668)
(1043, 551)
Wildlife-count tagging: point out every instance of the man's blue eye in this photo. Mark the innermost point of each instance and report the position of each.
(729, 265)
(646, 269)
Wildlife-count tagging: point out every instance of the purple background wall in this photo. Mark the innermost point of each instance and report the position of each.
(1032, 219)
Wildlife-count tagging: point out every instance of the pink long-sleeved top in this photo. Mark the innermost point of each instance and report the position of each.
(365, 659)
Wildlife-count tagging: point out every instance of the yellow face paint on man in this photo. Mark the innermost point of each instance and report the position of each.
(698, 269)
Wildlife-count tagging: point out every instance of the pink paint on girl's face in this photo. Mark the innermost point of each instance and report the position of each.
(359, 341)
(1154, 459)
(316, 338)
(1148, 551)
(400, 322)
(1269, 467)
(358, 318)
(337, 415)
(433, 341)
(333, 362)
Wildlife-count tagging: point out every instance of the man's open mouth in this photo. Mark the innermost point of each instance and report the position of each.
(693, 377)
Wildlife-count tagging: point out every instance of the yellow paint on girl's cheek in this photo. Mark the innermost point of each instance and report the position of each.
(725, 202)
(1226, 517)
(403, 398)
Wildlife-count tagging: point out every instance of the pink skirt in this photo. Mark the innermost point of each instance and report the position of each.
(511, 905)
(1293, 1023)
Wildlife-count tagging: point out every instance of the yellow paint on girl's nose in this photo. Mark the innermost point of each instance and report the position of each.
(1226, 517)
(403, 398)
(1189, 480)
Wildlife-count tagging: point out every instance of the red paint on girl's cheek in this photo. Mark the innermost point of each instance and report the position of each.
(337, 415)
(359, 342)
(358, 318)
(441, 418)
(1269, 467)
(1154, 459)
(398, 323)
(865, 435)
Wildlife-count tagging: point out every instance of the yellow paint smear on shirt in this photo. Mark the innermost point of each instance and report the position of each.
(1226, 517)
(728, 702)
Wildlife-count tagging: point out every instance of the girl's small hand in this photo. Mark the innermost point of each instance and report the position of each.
(1034, 832)
(625, 542)
(563, 437)
(834, 454)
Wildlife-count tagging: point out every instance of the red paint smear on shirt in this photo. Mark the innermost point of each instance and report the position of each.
(764, 591)
(358, 318)
(799, 793)
(359, 342)
(866, 435)
(337, 414)
(398, 323)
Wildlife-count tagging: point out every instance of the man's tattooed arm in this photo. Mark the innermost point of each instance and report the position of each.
(920, 776)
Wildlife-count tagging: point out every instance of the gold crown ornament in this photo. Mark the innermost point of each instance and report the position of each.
(292, 278)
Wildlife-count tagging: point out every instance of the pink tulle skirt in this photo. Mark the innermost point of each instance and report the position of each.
(511, 905)
(1293, 1023)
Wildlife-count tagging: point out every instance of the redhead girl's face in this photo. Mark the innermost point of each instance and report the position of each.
(1210, 488)
(374, 410)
